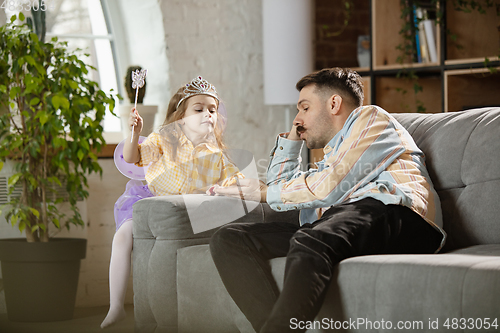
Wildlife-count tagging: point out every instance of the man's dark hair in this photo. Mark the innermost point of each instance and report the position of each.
(343, 81)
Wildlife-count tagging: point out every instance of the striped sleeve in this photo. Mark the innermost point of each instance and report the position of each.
(284, 161)
(370, 145)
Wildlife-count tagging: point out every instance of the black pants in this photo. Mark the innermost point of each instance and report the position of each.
(241, 252)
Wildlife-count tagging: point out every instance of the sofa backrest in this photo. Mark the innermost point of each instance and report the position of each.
(462, 152)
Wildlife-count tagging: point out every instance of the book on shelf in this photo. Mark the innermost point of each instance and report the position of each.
(430, 34)
(421, 36)
(425, 36)
(417, 34)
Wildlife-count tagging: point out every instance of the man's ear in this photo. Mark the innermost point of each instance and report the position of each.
(334, 104)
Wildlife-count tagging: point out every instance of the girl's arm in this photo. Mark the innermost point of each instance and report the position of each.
(131, 152)
(230, 173)
(230, 176)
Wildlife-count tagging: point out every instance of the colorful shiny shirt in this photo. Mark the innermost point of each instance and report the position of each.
(193, 171)
(371, 156)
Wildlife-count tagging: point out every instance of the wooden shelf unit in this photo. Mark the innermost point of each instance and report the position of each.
(464, 89)
(398, 94)
(386, 24)
(477, 33)
(457, 81)
(479, 38)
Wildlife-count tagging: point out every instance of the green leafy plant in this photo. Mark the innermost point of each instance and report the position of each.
(51, 131)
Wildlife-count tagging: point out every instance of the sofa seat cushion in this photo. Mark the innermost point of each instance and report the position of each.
(204, 305)
(461, 284)
(421, 288)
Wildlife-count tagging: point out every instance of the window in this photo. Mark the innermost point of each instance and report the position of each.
(82, 24)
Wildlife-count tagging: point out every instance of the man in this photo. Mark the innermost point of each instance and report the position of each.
(372, 187)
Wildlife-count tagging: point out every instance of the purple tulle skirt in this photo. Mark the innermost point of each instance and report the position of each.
(134, 192)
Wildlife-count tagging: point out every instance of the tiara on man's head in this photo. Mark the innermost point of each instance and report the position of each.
(198, 86)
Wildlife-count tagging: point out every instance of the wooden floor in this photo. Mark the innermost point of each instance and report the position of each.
(85, 320)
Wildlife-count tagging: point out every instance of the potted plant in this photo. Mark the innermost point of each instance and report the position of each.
(147, 112)
(50, 135)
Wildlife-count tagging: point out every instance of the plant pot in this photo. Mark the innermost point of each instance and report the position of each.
(147, 112)
(40, 279)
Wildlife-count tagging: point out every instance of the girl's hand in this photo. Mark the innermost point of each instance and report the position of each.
(245, 189)
(135, 120)
(131, 153)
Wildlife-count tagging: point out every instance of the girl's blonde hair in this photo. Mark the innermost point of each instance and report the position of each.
(175, 113)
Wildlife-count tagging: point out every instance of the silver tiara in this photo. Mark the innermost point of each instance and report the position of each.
(198, 86)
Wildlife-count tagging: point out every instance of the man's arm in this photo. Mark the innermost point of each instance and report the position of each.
(370, 146)
(285, 158)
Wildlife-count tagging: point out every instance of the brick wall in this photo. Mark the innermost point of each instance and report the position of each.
(339, 51)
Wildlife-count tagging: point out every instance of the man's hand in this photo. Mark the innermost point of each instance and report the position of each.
(293, 135)
(246, 189)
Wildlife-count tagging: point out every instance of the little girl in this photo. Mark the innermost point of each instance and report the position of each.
(186, 156)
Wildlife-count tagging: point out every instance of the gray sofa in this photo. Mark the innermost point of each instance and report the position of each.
(177, 287)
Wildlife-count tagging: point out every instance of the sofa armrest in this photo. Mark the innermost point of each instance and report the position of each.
(164, 218)
(162, 225)
(167, 217)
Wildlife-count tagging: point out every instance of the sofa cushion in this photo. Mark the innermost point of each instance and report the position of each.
(204, 304)
(460, 284)
(161, 227)
(462, 151)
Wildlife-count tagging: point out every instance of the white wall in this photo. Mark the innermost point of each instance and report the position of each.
(140, 40)
(222, 41)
